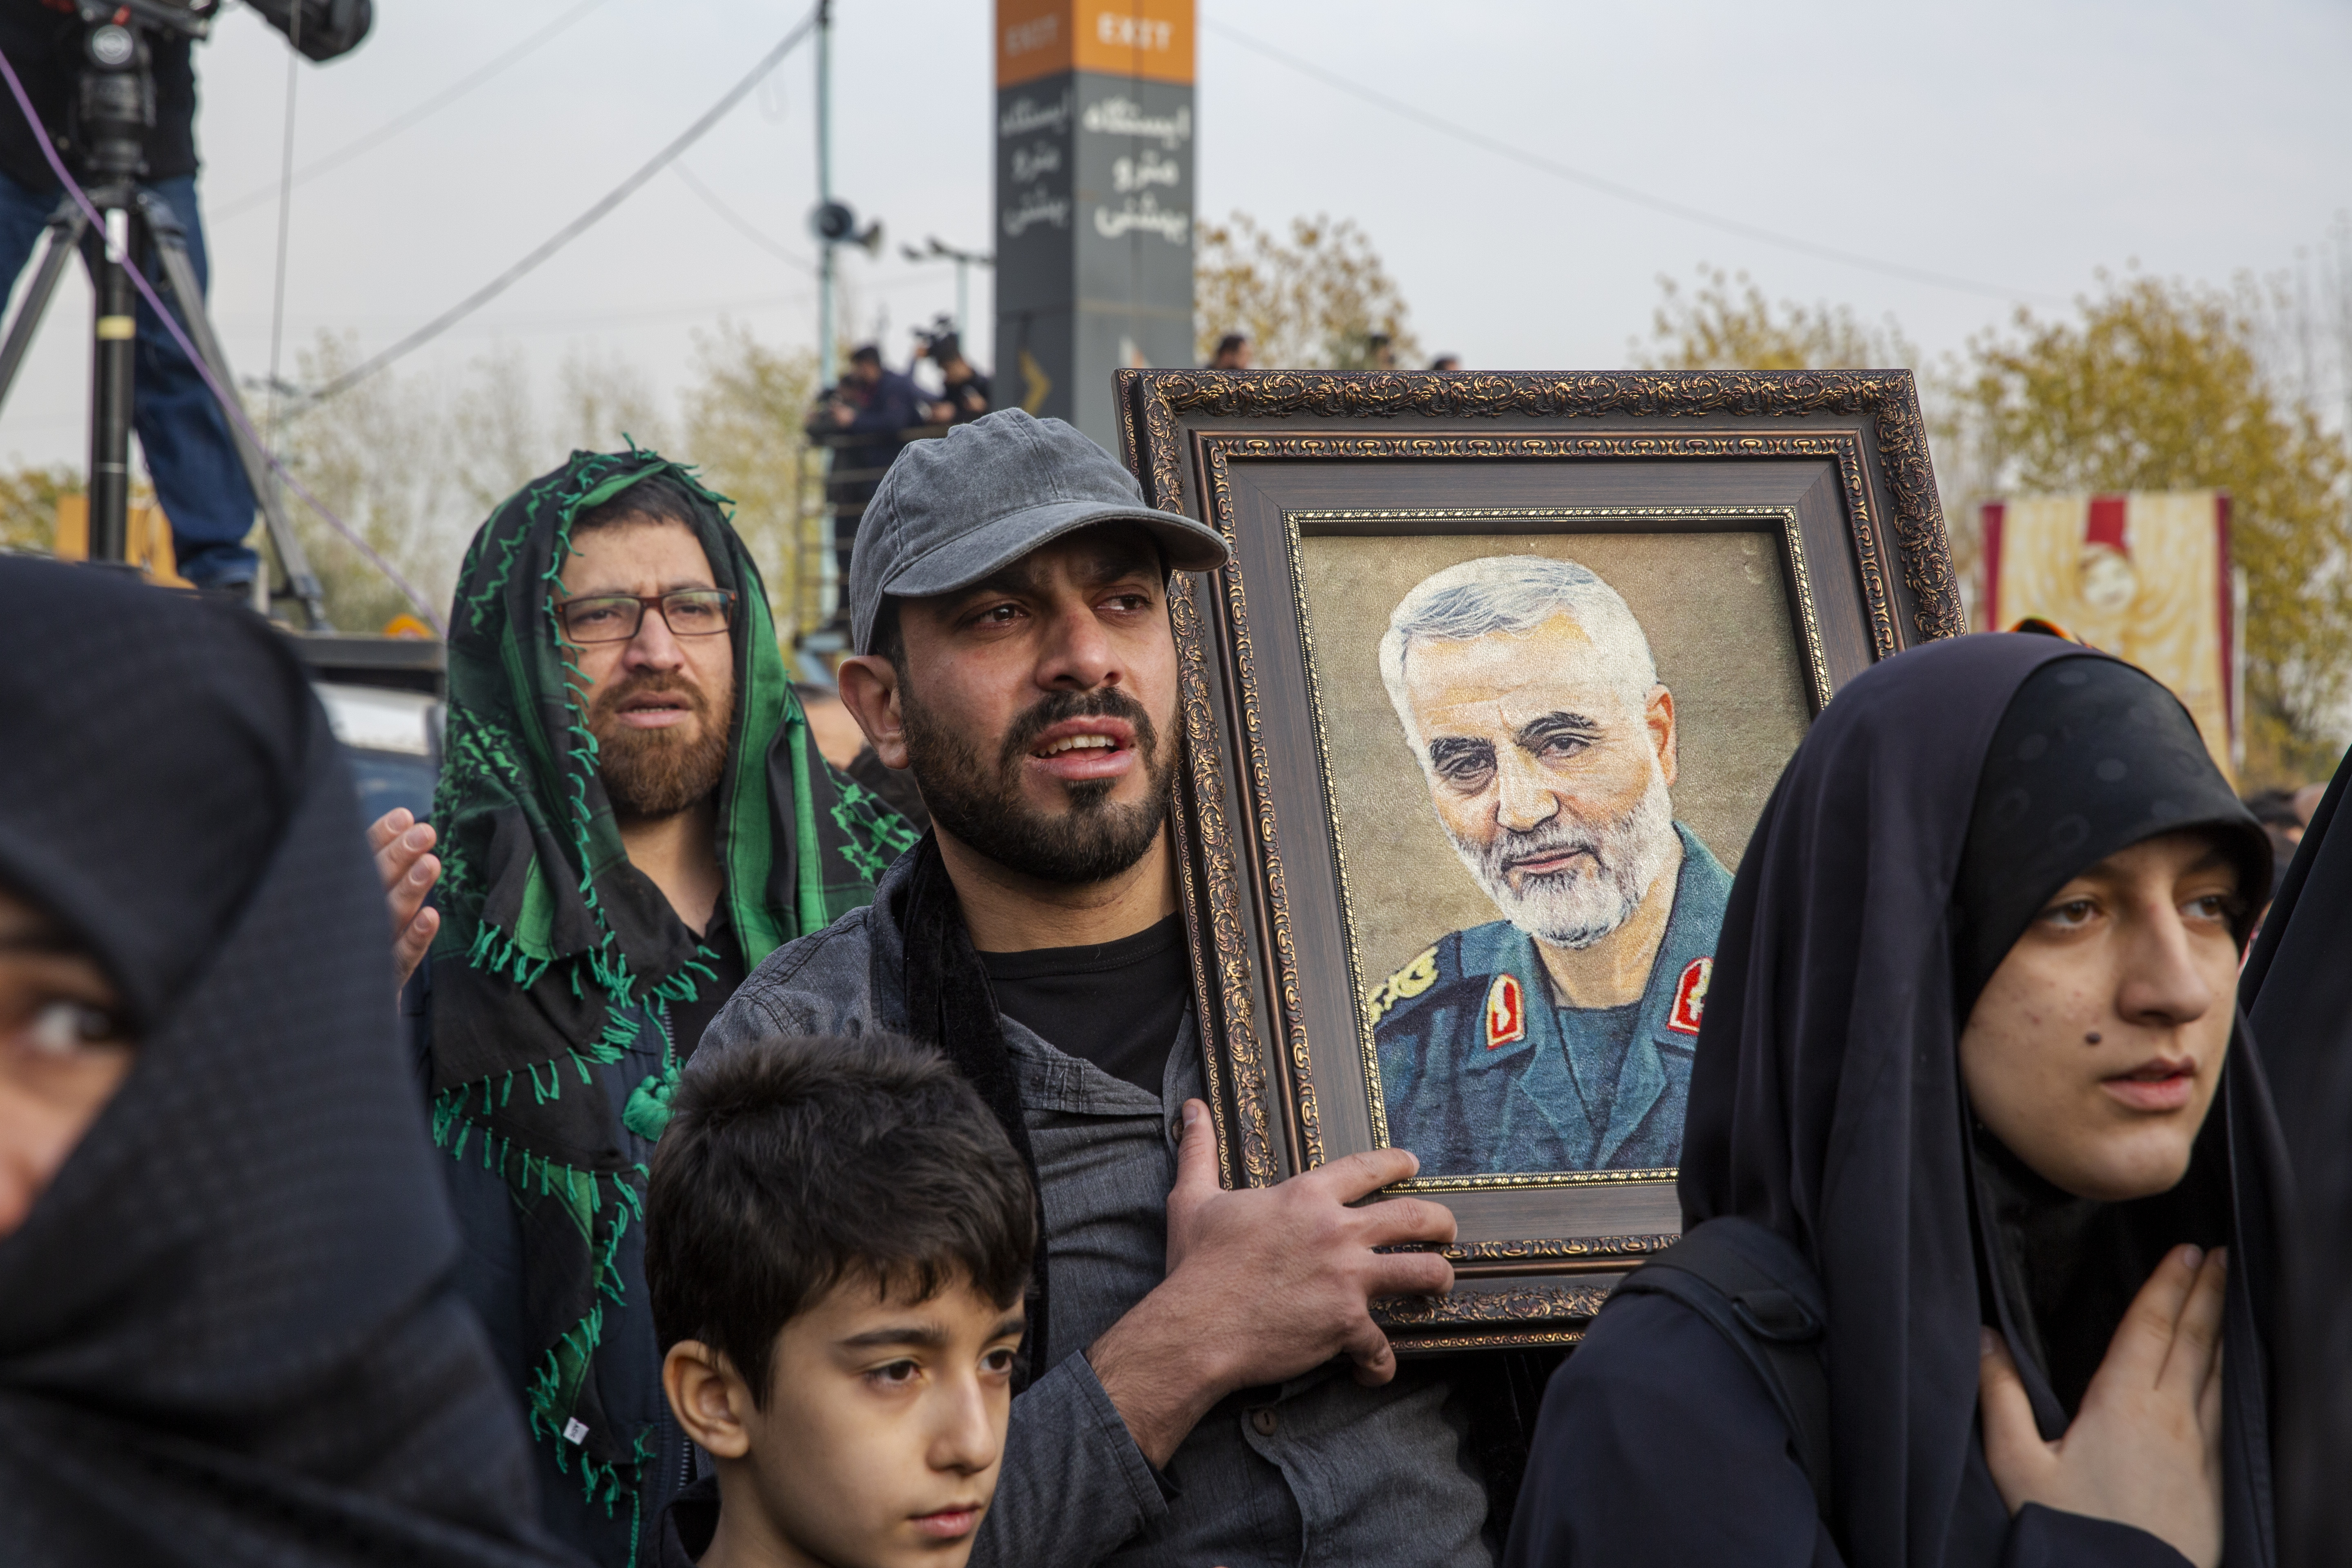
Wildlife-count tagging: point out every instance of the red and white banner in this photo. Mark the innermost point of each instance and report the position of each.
(2144, 577)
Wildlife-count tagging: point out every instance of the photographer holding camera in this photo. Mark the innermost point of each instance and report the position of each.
(193, 461)
(964, 393)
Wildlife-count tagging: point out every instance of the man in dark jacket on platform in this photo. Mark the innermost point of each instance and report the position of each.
(876, 406)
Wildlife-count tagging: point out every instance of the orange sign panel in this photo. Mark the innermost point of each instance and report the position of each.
(1151, 40)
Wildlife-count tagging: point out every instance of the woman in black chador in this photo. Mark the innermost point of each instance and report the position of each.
(227, 1330)
(2297, 992)
(1978, 1181)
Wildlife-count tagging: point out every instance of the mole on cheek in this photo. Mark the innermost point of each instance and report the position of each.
(2092, 1037)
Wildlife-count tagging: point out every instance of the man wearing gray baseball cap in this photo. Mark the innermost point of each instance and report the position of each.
(1186, 1395)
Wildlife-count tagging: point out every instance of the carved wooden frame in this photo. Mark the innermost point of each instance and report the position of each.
(1528, 1270)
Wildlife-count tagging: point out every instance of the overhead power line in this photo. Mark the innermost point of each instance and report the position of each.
(577, 226)
(740, 224)
(1623, 192)
(400, 122)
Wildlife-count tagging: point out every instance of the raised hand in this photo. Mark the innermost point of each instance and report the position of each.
(1265, 1283)
(403, 859)
(2144, 1450)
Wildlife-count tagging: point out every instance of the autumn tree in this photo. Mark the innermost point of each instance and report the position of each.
(412, 463)
(2148, 385)
(743, 426)
(2158, 385)
(376, 457)
(1314, 303)
(1726, 323)
(28, 505)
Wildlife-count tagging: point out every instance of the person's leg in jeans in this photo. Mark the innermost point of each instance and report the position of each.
(190, 453)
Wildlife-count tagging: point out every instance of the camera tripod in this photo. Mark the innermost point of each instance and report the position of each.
(116, 103)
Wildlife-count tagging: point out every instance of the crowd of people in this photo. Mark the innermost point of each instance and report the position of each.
(747, 1176)
(1234, 350)
(868, 417)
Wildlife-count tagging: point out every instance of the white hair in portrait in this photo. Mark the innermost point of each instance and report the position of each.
(1513, 594)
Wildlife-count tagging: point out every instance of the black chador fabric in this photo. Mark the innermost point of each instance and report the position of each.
(226, 1329)
(950, 1005)
(2297, 985)
(2297, 992)
(1826, 1104)
(2090, 757)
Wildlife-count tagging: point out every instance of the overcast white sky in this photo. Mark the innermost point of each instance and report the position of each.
(2020, 146)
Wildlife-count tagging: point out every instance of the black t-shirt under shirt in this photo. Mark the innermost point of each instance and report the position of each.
(689, 1019)
(1116, 1005)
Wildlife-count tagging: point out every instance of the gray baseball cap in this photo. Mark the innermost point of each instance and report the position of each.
(953, 511)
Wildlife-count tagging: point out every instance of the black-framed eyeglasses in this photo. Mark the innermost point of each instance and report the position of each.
(615, 617)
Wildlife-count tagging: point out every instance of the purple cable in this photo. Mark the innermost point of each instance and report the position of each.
(228, 405)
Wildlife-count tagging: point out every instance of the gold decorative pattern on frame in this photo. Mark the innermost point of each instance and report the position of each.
(1277, 896)
(1893, 512)
(1504, 1306)
(1888, 399)
(1229, 941)
(1580, 1248)
(1837, 446)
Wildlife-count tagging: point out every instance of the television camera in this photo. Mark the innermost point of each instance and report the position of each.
(112, 115)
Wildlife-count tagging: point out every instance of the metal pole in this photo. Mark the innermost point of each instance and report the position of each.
(826, 368)
(110, 372)
(66, 230)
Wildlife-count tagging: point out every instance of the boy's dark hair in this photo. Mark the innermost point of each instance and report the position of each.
(790, 1164)
(658, 497)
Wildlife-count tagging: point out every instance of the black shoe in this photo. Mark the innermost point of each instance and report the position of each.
(228, 591)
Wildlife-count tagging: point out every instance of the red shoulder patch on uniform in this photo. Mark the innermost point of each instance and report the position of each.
(1507, 1012)
(1690, 996)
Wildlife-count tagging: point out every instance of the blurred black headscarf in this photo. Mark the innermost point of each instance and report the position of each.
(226, 1331)
(1932, 811)
(2297, 990)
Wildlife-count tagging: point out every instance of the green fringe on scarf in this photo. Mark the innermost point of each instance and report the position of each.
(556, 956)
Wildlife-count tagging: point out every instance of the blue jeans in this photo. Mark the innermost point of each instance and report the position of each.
(190, 453)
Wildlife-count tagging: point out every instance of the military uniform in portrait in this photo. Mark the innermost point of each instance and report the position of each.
(1483, 1069)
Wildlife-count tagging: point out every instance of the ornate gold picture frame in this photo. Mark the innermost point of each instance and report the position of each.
(1372, 954)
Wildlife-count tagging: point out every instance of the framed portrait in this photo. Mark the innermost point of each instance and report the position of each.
(1476, 724)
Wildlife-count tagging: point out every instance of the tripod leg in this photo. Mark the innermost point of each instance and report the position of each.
(181, 276)
(65, 234)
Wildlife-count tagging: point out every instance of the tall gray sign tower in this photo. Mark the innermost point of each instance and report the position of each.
(1094, 200)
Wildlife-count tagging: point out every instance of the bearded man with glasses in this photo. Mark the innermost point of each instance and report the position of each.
(633, 812)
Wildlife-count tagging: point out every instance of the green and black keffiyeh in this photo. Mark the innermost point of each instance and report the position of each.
(558, 960)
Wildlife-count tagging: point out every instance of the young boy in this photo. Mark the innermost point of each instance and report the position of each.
(838, 1235)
